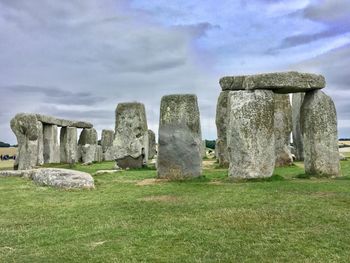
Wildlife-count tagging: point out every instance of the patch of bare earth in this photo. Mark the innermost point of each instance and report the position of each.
(207, 164)
(151, 181)
(160, 198)
(216, 182)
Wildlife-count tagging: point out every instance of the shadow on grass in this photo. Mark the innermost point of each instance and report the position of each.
(273, 178)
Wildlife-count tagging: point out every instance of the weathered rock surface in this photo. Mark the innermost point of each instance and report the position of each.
(320, 136)
(88, 136)
(131, 135)
(297, 101)
(68, 145)
(221, 127)
(279, 82)
(283, 129)
(40, 154)
(63, 178)
(25, 127)
(61, 122)
(107, 139)
(110, 154)
(152, 151)
(51, 145)
(180, 140)
(88, 153)
(204, 149)
(98, 154)
(17, 173)
(250, 134)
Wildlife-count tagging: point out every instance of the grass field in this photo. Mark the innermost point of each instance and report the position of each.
(10, 151)
(130, 217)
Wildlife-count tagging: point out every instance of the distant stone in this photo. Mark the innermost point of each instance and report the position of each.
(320, 136)
(40, 153)
(62, 123)
(63, 178)
(107, 139)
(152, 150)
(250, 134)
(342, 157)
(204, 149)
(280, 82)
(283, 129)
(17, 173)
(131, 135)
(88, 152)
(88, 136)
(25, 127)
(110, 154)
(297, 101)
(69, 145)
(221, 127)
(180, 140)
(51, 144)
(98, 154)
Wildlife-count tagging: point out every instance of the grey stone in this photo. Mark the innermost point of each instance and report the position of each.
(51, 145)
(88, 136)
(107, 139)
(283, 129)
(221, 127)
(204, 149)
(152, 147)
(40, 153)
(68, 145)
(17, 173)
(25, 127)
(110, 154)
(279, 82)
(131, 135)
(320, 136)
(98, 154)
(250, 134)
(62, 123)
(88, 152)
(342, 157)
(297, 101)
(180, 140)
(63, 178)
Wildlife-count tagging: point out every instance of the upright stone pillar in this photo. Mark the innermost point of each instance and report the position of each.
(180, 140)
(283, 129)
(152, 151)
(68, 145)
(40, 143)
(131, 135)
(51, 145)
(108, 151)
(320, 135)
(25, 127)
(87, 145)
(221, 127)
(297, 101)
(250, 134)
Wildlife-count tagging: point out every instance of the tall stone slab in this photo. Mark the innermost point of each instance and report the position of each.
(40, 143)
(283, 129)
(25, 127)
(320, 136)
(180, 140)
(250, 134)
(107, 139)
(131, 135)
(221, 127)
(152, 147)
(69, 145)
(297, 101)
(51, 144)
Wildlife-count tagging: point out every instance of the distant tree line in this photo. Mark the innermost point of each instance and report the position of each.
(6, 145)
(344, 139)
(210, 144)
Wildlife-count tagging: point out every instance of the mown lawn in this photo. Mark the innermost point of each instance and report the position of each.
(131, 218)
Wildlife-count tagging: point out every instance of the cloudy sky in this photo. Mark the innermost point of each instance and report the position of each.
(78, 59)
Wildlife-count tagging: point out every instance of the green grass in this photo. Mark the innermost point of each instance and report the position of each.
(210, 219)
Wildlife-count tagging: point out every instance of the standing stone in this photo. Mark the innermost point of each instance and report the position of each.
(250, 134)
(98, 154)
(152, 151)
(25, 127)
(110, 154)
(283, 129)
(221, 127)
(131, 135)
(68, 145)
(107, 138)
(88, 136)
(204, 149)
(180, 140)
(40, 143)
(297, 101)
(320, 136)
(88, 153)
(51, 145)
